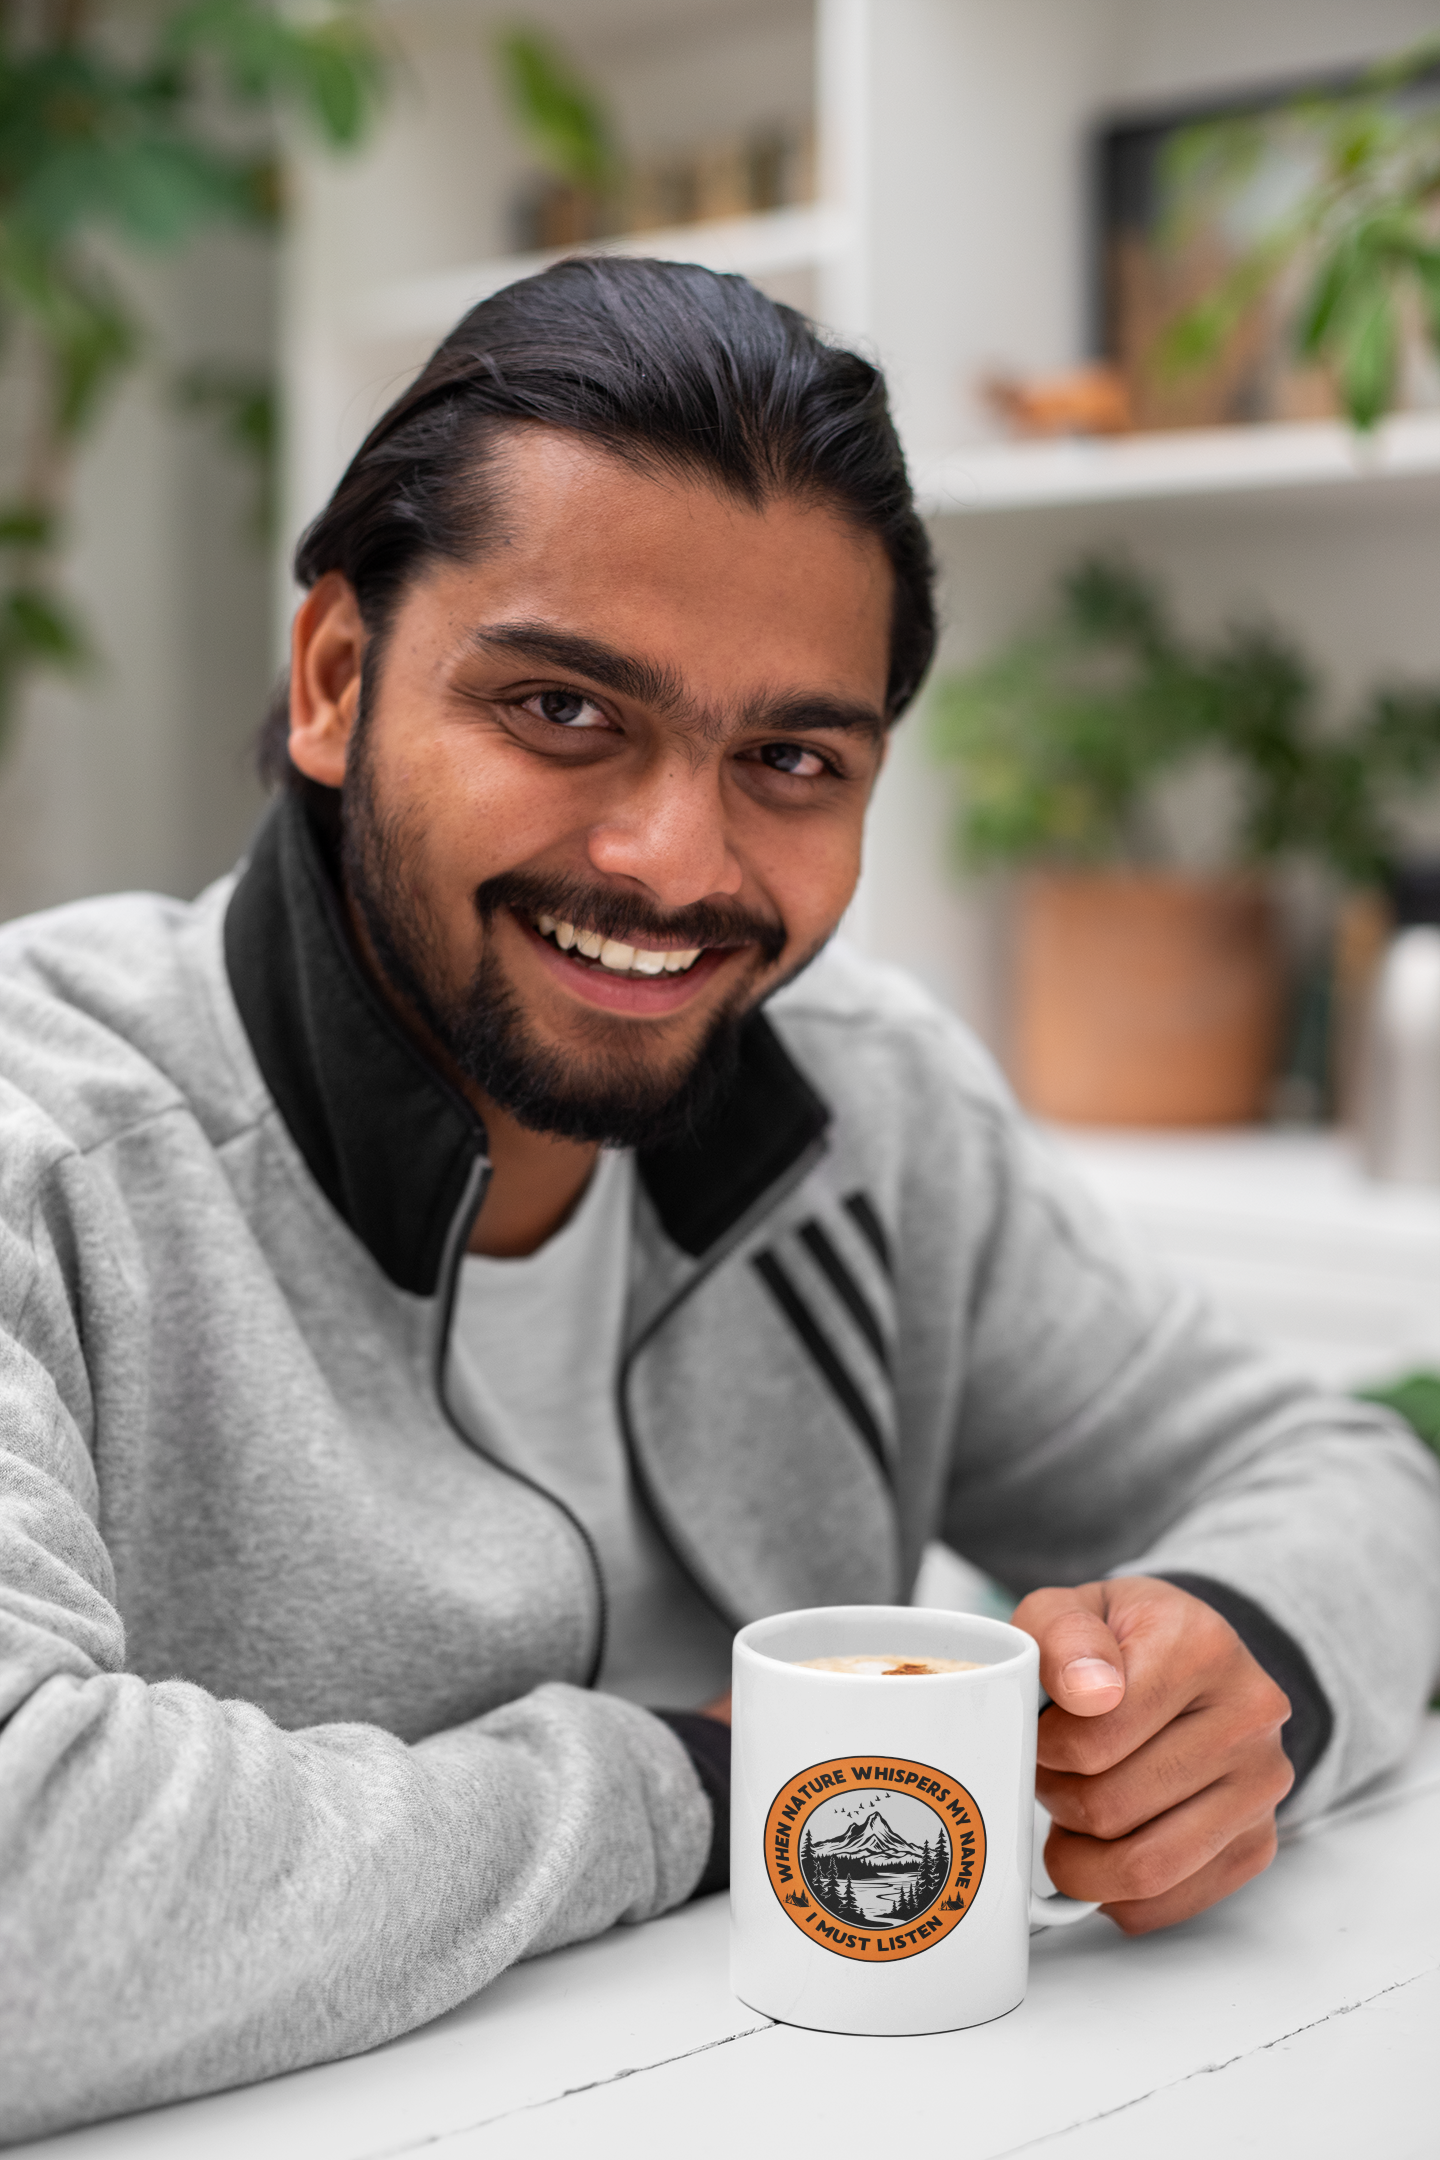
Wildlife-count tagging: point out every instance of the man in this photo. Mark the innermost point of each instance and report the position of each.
(457, 1270)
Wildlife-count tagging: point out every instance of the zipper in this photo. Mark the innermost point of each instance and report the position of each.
(769, 1201)
(471, 1202)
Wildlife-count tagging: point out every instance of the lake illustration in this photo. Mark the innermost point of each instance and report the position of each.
(875, 1860)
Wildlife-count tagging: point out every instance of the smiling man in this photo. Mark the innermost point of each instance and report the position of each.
(462, 1266)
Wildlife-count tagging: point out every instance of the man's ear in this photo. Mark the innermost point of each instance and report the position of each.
(327, 647)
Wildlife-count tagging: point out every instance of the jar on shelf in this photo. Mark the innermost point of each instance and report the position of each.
(1399, 1094)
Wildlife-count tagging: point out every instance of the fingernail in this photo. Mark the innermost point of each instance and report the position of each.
(1087, 1675)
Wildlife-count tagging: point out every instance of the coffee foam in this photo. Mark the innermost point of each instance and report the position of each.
(878, 1665)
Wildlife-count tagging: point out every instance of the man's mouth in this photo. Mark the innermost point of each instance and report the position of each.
(618, 958)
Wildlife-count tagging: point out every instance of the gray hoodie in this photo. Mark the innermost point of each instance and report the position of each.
(300, 1741)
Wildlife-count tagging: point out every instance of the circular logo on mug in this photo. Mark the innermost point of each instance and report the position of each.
(874, 1857)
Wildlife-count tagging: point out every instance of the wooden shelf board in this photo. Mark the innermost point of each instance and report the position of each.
(1279, 458)
(765, 245)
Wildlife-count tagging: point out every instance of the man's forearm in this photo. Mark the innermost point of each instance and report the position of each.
(194, 1898)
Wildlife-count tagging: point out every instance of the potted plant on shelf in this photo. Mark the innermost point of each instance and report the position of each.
(1145, 993)
(1354, 248)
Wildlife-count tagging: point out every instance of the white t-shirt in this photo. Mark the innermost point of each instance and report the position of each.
(535, 1347)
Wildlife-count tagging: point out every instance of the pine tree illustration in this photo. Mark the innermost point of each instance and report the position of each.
(849, 1905)
(827, 1885)
(807, 1858)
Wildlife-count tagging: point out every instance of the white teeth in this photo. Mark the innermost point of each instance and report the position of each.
(621, 959)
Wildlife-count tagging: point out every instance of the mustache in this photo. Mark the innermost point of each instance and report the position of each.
(626, 917)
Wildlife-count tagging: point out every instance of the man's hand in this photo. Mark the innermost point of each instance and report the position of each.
(719, 1709)
(1160, 1756)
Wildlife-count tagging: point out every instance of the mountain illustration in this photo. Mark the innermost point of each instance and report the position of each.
(872, 1839)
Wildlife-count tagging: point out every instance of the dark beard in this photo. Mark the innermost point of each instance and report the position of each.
(618, 1100)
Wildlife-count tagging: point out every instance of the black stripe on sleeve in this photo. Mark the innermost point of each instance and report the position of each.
(822, 1251)
(870, 1227)
(808, 1328)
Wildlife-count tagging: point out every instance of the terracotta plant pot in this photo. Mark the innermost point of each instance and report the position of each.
(1146, 1000)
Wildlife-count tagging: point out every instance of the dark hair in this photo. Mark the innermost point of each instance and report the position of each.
(664, 363)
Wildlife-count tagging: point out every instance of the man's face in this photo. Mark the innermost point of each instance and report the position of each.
(647, 716)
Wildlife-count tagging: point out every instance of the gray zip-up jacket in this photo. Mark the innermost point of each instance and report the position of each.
(300, 1744)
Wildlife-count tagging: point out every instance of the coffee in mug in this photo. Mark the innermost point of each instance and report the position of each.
(887, 1665)
(880, 1836)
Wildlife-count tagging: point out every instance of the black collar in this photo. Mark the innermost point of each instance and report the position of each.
(390, 1143)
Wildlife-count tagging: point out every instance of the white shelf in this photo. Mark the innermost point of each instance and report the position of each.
(1286, 1236)
(1190, 462)
(768, 245)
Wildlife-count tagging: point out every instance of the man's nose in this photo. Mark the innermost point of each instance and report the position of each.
(669, 834)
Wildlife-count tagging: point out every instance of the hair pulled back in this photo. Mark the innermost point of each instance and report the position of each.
(667, 365)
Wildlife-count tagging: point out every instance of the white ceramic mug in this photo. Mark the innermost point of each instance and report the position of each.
(881, 1827)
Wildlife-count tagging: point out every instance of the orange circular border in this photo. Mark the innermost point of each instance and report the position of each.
(947, 1800)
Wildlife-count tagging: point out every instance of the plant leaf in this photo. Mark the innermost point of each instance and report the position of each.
(1367, 348)
(158, 192)
(563, 118)
(37, 628)
(331, 70)
(90, 336)
(1364, 228)
(26, 526)
(1417, 1399)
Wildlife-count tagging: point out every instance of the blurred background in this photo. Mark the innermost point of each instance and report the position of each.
(1157, 289)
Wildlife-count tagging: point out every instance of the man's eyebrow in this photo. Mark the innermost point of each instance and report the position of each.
(569, 652)
(816, 709)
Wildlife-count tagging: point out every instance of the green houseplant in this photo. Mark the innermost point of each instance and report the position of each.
(131, 133)
(1144, 995)
(1359, 241)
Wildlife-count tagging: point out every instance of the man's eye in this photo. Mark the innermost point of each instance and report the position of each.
(794, 758)
(567, 709)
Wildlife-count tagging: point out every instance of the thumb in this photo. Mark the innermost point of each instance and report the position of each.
(1082, 1667)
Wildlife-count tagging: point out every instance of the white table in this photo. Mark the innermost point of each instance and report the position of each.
(1301, 2016)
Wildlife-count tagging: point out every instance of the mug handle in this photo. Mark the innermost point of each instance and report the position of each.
(1058, 1911)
